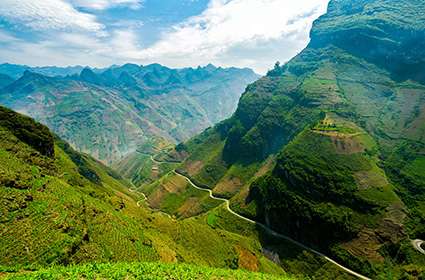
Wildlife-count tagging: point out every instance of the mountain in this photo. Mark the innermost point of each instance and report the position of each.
(330, 147)
(113, 113)
(5, 80)
(16, 71)
(60, 207)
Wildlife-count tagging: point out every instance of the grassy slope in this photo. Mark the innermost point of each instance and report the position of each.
(387, 122)
(138, 166)
(330, 178)
(137, 271)
(67, 208)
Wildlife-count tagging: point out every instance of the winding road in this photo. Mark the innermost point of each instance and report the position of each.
(418, 245)
(270, 231)
(134, 190)
(145, 198)
(267, 229)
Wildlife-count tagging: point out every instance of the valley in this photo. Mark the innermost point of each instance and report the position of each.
(113, 112)
(326, 149)
(315, 170)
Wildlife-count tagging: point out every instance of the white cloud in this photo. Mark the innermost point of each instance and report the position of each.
(48, 15)
(106, 4)
(70, 48)
(242, 33)
(227, 25)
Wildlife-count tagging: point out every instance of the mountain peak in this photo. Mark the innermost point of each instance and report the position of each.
(28, 73)
(131, 67)
(28, 76)
(378, 31)
(87, 75)
(210, 66)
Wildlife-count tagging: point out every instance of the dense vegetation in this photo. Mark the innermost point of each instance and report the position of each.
(138, 271)
(35, 135)
(66, 208)
(329, 148)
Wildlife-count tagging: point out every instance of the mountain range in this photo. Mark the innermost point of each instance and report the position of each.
(319, 172)
(114, 112)
(330, 147)
(16, 71)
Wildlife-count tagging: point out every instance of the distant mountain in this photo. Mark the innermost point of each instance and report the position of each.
(111, 114)
(5, 80)
(16, 71)
(330, 147)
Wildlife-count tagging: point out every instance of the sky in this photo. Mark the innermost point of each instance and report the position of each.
(176, 33)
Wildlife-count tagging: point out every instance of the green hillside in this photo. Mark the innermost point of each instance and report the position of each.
(137, 271)
(329, 147)
(60, 207)
(318, 174)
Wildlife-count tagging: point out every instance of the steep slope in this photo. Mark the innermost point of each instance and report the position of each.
(5, 80)
(123, 109)
(61, 207)
(329, 148)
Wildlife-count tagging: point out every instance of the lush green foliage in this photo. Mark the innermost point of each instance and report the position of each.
(346, 117)
(137, 271)
(26, 130)
(70, 209)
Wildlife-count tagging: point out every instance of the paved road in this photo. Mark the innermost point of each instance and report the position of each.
(270, 231)
(134, 190)
(419, 245)
(145, 198)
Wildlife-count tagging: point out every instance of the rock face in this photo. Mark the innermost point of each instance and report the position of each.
(331, 146)
(112, 113)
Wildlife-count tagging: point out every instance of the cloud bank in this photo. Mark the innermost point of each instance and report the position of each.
(243, 33)
(240, 32)
(44, 15)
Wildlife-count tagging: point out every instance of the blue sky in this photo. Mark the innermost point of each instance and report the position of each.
(177, 33)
